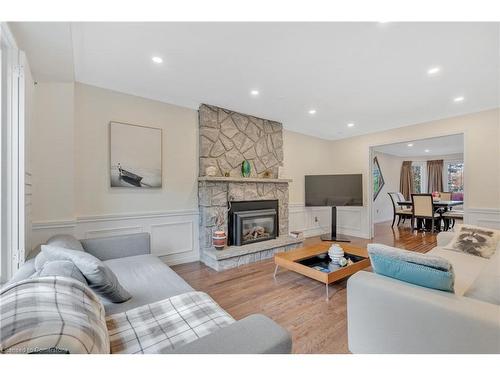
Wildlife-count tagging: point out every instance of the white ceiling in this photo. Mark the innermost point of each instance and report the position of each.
(371, 74)
(448, 145)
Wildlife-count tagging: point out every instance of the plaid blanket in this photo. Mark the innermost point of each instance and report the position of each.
(165, 325)
(51, 314)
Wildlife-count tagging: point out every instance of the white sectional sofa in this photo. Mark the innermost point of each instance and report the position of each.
(386, 315)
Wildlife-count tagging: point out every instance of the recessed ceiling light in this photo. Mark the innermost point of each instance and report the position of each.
(410, 144)
(350, 125)
(434, 70)
(312, 111)
(459, 99)
(157, 59)
(254, 92)
(427, 150)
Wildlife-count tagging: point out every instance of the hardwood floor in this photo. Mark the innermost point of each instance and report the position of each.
(292, 300)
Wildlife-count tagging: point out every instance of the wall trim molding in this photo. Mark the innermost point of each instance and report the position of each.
(40, 225)
(50, 224)
(141, 215)
(483, 211)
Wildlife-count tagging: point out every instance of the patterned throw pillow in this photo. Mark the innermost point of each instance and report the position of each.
(478, 241)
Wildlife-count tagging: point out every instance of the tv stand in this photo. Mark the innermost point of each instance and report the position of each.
(333, 236)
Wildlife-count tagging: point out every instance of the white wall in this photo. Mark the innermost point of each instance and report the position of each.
(53, 152)
(94, 109)
(390, 166)
(306, 155)
(481, 157)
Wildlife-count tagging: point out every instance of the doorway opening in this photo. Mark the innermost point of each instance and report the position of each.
(417, 166)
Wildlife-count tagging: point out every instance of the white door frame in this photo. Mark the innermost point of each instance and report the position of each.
(371, 227)
(12, 157)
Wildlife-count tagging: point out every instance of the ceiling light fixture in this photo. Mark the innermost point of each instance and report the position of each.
(254, 92)
(459, 99)
(350, 125)
(410, 144)
(157, 59)
(312, 111)
(434, 70)
(427, 150)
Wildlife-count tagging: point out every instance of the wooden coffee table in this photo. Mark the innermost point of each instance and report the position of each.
(290, 260)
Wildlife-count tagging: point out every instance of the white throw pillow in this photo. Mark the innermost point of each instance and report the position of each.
(487, 285)
(475, 240)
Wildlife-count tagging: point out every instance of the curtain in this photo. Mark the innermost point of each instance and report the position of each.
(406, 180)
(434, 175)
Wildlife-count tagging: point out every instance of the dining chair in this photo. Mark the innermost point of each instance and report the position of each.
(400, 212)
(445, 196)
(423, 208)
(451, 216)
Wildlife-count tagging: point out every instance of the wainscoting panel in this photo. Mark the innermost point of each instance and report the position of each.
(483, 217)
(314, 221)
(174, 234)
(172, 238)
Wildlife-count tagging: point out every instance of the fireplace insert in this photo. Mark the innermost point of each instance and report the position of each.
(252, 221)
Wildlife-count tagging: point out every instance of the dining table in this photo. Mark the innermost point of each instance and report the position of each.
(438, 204)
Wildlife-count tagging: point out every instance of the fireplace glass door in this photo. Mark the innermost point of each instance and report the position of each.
(255, 226)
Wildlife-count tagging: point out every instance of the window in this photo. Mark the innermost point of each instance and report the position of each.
(417, 174)
(454, 176)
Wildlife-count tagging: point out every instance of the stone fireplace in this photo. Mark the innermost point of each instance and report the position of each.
(254, 208)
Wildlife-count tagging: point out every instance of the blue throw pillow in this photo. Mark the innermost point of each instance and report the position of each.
(420, 269)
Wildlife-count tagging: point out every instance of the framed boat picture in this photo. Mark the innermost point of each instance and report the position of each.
(135, 156)
(378, 179)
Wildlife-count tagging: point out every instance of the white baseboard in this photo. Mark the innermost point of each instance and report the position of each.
(174, 234)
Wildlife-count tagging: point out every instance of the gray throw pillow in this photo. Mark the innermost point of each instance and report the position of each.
(99, 277)
(60, 268)
(65, 241)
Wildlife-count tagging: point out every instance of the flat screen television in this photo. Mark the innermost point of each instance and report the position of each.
(334, 190)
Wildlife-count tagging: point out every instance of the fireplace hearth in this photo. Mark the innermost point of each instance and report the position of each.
(252, 221)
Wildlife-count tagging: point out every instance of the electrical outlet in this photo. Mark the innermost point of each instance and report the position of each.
(316, 219)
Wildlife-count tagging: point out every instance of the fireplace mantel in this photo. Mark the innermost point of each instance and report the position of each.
(244, 179)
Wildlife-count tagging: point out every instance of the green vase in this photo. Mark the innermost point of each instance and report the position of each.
(245, 168)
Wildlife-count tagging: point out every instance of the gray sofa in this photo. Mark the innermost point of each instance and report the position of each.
(148, 280)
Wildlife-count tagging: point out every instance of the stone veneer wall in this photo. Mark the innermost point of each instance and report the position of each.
(227, 138)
